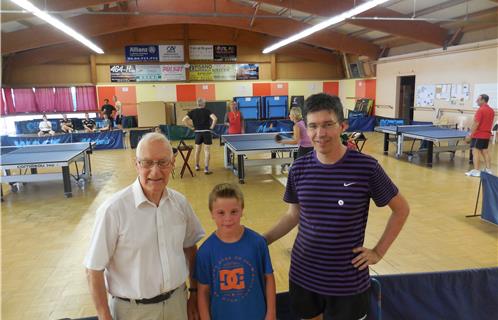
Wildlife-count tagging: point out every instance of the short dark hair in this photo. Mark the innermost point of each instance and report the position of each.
(485, 97)
(226, 190)
(322, 101)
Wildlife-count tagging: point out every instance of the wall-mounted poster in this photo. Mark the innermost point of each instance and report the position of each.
(248, 71)
(142, 53)
(172, 52)
(122, 73)
(201, 52)
(424, 95)
(225, 53)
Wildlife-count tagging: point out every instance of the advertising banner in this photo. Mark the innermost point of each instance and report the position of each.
(202, 72)
(122, 73)
(201, 52)
(142, 53)
(173, 52)
(248, 71)
(173, 72)
(225, 53)
(144, 73)
(224, 72)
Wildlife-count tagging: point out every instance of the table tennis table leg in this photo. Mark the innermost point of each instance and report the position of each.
(399, 146)
(430, 151)
(66, 178)
(386, 143)
(240, 168)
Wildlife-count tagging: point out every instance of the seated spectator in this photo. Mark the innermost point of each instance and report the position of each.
(89, 124)
(107, 123)
(45, 127)
(66, 124)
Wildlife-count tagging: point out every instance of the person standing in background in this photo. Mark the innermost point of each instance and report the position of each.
(119, 112)
(479, 135)
(108, 109)
(202, 121)
(234, 119)
(300, 136)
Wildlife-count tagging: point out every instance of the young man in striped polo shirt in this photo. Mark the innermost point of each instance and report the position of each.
(329, 192)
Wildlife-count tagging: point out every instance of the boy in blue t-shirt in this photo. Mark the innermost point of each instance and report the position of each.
(233, 266)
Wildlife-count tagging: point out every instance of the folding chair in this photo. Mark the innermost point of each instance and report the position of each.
(185, 152)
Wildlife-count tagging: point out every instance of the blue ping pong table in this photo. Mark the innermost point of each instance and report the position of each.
(432, 135)
(241, 146)
(33, 157)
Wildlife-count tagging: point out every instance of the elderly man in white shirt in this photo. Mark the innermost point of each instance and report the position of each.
(144, 244)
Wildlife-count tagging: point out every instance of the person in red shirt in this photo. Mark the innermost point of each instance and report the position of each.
(234, 119)
(480, 133)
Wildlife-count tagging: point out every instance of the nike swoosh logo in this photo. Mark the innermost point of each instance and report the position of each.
(348, 184)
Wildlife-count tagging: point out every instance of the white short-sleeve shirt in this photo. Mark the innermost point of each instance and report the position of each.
(140, 245)
(45, 125)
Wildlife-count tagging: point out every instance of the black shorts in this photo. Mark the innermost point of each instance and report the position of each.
(203, 137)
(119, 119)
(479, 144)
(307, 304)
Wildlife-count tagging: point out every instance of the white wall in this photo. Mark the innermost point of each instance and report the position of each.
(470, 63)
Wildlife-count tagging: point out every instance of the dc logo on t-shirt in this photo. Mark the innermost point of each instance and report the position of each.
(235, 277)
(232, 279)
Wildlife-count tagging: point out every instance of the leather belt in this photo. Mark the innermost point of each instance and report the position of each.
(160, 298)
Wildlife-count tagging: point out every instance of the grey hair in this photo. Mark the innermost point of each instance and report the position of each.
(151, 137)
(201, 101)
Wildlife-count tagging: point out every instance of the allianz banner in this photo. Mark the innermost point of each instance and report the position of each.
(142, 53)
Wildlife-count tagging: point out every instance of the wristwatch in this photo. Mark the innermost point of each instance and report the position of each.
(192, 289)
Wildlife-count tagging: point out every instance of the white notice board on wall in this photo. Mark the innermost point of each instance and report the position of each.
(491, 89)
(425, 95)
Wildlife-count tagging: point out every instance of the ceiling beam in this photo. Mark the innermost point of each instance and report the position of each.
(198, 13)
(48, 5)
(416, 30)
(167, 33)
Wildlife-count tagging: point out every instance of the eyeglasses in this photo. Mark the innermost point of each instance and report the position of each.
(326, 126)
(148, 164)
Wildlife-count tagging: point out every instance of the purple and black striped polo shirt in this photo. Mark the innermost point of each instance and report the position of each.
(334, 201)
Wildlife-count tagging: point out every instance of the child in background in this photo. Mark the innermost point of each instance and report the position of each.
(233, 266)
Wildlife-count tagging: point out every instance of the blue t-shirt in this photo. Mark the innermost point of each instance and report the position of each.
(235, 273)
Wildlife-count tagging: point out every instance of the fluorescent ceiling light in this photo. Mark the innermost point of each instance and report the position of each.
(327, 23)
(28, 6)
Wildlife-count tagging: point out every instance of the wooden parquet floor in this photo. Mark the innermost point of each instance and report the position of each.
(45, 236)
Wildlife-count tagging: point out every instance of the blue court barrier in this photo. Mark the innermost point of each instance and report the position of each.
(103, 140)
(489, 211)
(28, 141)
(457, 295)
(361, 124)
